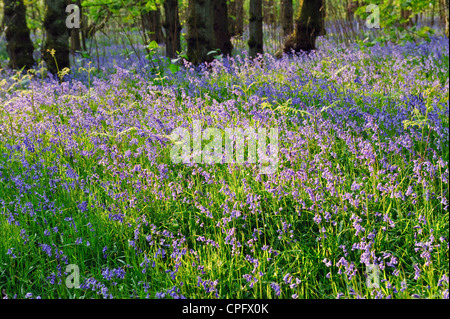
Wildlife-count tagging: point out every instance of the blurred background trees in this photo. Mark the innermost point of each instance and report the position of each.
(18, 42)
(286, 18)
(236, 17)
(309, 24)
(222, 35)
(255, 25)
(172, 28)
(193, 28)
(200, 33)
(56, 45)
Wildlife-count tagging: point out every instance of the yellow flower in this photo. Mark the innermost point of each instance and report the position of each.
(63, 72)
(52, 52)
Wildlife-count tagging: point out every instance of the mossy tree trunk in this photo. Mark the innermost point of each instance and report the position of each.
(255, 42)
(18, 42)
(57, 36)
(308, 26)
(287, 17)
(406, 18)
(221, 32)
(236, 17)
(200, 36)
(172, 28)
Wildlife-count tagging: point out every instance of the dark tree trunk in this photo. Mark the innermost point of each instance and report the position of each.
(441, 13)
(308, 26)
(432, 13)
(172, 28)
(75, 44)
(236, 17)
(406, 17)
(18, 43)
(255, 42)
(152, 23)
(287, 17)
(221, 33)
(57, 36)
(83, 30)
(200, 36)
(269, 12)
(322, 14)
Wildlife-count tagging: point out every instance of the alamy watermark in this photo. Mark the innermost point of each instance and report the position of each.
(73, 279)
(373, 276)
(234, 140)
(74, 18)
(373, 20)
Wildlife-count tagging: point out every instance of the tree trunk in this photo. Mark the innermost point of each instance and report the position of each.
(240, 17)
(406, 17)
(221, 33)
(57, 36)
(268, 12)
(172, 28)
(200, 36)
(18, 43)
(255, 42)
(442, 14)
(446, 17)
(75, 44)
(287, 17)
(352, 5)
(308, 26)
(83, 30)
(236, 17)
(152, 23)
(432, 13)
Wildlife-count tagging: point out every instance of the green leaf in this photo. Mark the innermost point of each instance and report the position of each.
(153, 45)
(174, 68)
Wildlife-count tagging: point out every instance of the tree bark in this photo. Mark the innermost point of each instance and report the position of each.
(268, 12)
(446, 17)
(255, 42)
(352, 5)
(57, 36)
(75, 43)
(18, 42)
(406, 17)
(221, 33)
(308, 26)
(172, 28)
(236, 17)
(287, 17)
(83, 31)
(200, 36)
(152, 23)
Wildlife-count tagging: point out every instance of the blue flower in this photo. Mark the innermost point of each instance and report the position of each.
(276, 288)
